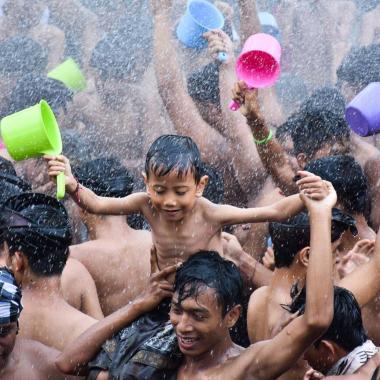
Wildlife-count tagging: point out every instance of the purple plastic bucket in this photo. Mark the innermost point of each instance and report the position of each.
(363, 112)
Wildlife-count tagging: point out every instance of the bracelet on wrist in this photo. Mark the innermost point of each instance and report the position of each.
(264, 141)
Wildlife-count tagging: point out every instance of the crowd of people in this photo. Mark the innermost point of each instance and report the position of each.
(193, 242)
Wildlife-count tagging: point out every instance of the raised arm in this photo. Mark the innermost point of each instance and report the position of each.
(87, 199)
(364, 282)
(269, 359)
(270, 151)
(249, 20)
(76, 356)
(179, 105)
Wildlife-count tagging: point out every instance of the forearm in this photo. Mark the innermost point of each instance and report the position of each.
(254, 273)
(249, 20)
(273, 157)
(319, 281)
(287, 208)
(180, 107)
(81, 351)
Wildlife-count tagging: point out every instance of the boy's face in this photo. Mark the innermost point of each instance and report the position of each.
(172, 196)
(198, 323)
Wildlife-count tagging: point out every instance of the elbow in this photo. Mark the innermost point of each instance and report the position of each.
(64, 365)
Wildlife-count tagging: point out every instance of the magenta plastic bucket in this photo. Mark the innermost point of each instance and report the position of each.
(259, 63)
(363, 112)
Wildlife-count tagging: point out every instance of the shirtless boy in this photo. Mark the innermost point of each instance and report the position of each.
(182, 221)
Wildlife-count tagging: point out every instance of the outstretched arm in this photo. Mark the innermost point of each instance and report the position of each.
(179, 105)
(87, 199)
(271, 153)
(76, 356)
(269, 359)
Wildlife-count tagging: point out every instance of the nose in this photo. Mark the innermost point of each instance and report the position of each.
(184, 325)
(170, 202)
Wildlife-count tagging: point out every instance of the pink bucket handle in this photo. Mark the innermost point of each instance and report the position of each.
(234, 106)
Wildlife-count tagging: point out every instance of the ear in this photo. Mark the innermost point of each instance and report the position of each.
(232, 316)
(19, 262)
(201, 186)
(304, 256)
(330, 349)
(301, 159)
(146, 182)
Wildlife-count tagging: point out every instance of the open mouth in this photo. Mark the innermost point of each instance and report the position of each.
(186, 343)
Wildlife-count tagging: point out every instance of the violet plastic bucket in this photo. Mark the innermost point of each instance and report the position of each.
(363, 112)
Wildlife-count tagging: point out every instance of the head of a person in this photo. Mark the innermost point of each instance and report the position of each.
(31, 88)
(348, 179)
(106, 177)
(36, 235)
(345, 333)
(22, 17)
(120, 60)
(203, 87)
(20, 56)
(173, 175)
(206, 302)
(319, 133)
(359, 68)
(10, 309)
(291, 238)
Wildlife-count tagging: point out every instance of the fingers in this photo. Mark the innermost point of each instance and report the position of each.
(164, 273)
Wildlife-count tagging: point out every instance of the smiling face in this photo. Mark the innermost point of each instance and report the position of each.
(199, 324)
(174, 196)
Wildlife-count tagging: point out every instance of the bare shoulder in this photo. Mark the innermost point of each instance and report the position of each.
(256, 313)
(42, 357)
(259, 295)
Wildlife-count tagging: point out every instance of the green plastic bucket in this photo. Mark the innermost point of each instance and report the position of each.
(33, 132)
(69, 74)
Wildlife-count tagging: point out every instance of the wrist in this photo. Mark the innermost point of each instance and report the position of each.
(318, 211)
(72, 186)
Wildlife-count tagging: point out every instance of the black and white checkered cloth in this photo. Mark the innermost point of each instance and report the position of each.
(10, 297)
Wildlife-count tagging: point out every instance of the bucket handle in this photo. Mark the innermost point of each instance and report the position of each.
(61, 186)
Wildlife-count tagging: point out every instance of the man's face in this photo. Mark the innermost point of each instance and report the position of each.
(8, 334)
(172, 196)
(198, 323)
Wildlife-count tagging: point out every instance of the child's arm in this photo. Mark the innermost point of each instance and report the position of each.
(310, 184)
(87, 199)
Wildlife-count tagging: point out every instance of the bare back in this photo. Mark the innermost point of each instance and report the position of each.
(51, 320)
(120, 266)
(265, 318)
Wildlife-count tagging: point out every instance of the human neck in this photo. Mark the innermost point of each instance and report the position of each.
(46, 286)
(286, 277)
(218, 354)
(106, 227)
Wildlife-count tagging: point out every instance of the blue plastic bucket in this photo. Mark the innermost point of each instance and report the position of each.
(269, 25)
(200, 17)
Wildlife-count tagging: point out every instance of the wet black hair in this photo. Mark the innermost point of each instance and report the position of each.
(285, 130)
(289, 237)
(360, 67)
(171, 153)
(22, 55)
(317, 129)
(346, 329)
(38, 226)
(208, 268)
(106, 177)
(325, 99)
(203, 85)
(348, 180)
(6, 167)
(32, 88)
(119, 54)
(214, 190)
